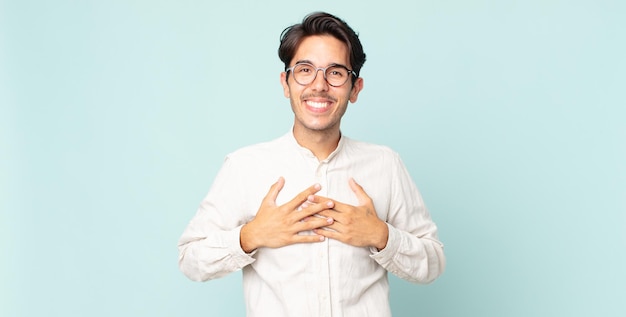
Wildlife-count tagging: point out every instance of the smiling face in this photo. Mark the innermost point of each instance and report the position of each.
(318, 107)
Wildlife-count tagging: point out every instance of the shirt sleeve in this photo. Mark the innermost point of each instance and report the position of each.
(413, 252)
(209, 247)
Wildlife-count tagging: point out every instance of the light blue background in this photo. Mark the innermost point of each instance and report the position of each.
(116, 115)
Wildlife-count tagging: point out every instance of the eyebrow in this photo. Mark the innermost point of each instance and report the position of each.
(306, 61)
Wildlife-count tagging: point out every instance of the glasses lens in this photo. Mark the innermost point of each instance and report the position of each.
(304, 74)
(336, 75)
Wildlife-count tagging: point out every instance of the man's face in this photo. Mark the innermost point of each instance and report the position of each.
(319, 106)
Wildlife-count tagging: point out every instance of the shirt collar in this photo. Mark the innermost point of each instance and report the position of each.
(307, 153)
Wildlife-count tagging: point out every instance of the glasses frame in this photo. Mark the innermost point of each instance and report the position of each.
(323, 69)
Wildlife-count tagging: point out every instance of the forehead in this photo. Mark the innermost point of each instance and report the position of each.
(322, 50)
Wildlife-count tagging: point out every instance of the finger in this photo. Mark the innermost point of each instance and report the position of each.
(330, 234)
(334, 227)
(308, 238)
(312, 210)
(303, 196)
(313, 223)
(337, 206)
(274, 190)
(304, 205)
(328, 203)
(331, 213)
(317, 198)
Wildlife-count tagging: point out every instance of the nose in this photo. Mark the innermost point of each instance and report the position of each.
(319, 83)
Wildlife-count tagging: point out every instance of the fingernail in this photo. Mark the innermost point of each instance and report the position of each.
(318, 186)
(330, 220)
(329, 204)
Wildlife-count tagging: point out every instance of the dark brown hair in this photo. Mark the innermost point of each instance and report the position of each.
(321, 23)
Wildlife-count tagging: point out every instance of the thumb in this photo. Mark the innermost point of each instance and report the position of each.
(361, 195)
(271, 196)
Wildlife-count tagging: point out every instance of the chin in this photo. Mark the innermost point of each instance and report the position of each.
(319, 127)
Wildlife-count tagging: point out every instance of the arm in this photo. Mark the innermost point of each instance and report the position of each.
(209, 247)
(413, 252)
(405, 243)
(222, 237)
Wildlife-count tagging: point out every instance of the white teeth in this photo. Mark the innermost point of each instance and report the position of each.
(318, 105)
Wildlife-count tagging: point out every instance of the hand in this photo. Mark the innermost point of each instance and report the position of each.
(354, 225)
(277, 226)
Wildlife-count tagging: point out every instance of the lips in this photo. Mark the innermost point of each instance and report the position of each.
(318, 103)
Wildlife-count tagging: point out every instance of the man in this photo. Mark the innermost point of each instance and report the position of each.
(340, 213)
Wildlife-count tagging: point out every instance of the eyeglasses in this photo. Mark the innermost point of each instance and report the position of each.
(335, 75)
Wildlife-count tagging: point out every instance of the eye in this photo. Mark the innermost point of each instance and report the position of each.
(304, 69)
(337, 72)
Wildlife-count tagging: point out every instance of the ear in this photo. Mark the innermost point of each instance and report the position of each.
(356, 88)
(283, 81)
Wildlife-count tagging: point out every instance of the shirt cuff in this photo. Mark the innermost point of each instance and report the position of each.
(385, 255)
(238, 254)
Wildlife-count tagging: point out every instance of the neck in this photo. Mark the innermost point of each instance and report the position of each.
(321, 143)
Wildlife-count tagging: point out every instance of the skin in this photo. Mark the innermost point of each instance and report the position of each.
(358, 226)
(318, 128)
(318, 109)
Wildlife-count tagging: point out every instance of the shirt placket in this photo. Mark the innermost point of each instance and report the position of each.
(324, 292)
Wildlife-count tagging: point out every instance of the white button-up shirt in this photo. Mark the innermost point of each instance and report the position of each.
(328, 278)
